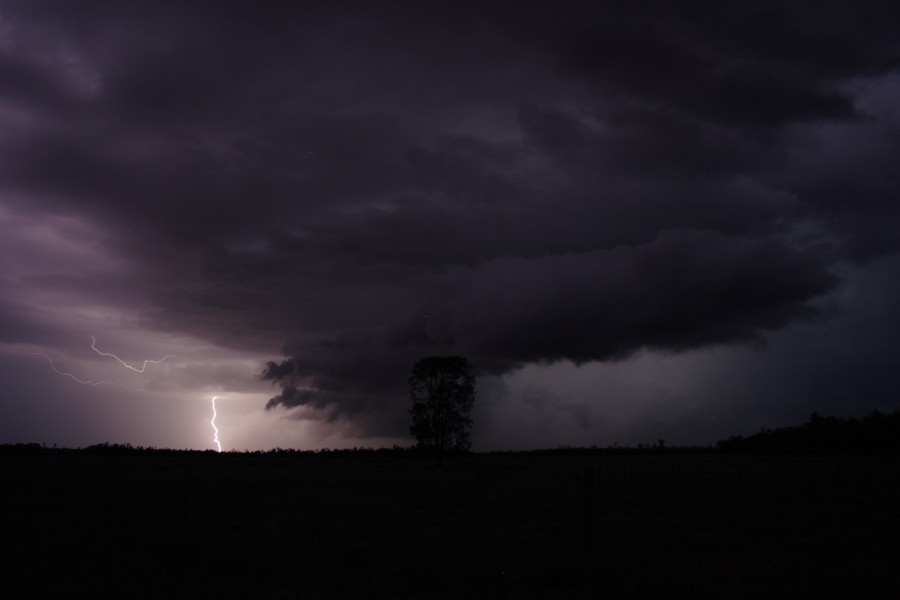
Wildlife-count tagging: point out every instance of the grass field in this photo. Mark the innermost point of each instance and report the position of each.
(621, 526)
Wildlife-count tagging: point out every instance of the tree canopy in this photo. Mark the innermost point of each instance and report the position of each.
(442, 392)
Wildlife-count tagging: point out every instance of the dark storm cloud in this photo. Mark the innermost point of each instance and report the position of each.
(360, 186)
(644, 63)
(18, 322)
(685, 290)
(760, 64)
(291, 397)
(353, 377)
(25, 82)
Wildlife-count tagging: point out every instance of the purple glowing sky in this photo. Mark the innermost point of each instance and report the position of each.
(638, 220)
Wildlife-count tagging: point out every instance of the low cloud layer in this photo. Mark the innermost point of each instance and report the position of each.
(349, 187)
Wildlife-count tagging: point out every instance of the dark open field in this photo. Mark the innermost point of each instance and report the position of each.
(623, 526)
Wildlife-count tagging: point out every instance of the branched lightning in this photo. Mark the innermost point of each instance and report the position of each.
(69, 375)
(125, 364)
(213, 423)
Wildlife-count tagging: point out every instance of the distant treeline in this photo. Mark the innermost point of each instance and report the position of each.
(657, 448)
(877, 433)
(106, 449)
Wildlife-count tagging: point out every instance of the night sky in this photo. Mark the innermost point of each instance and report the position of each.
(638, 220)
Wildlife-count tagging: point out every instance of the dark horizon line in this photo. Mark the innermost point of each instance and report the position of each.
(876, 433)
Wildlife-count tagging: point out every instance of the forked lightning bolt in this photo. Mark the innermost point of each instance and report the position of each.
(213, 423)
(69, 375)
(125, 364)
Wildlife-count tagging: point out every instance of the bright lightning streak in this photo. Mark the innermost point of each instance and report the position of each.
(69, 375)
(213, 423)
(125, 364)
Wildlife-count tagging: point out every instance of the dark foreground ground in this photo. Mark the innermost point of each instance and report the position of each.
(650, 526)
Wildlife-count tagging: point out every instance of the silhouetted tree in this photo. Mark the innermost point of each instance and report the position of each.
(442, 391)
